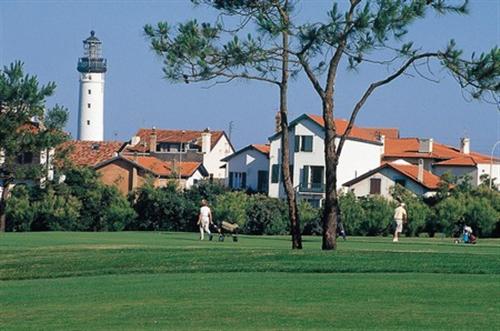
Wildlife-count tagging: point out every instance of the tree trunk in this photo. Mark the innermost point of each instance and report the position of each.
(331, 204)
(3, 205)
(285, 149)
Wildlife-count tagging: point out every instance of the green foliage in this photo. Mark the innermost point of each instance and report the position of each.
(266, 215)
(231, 207)
(310, 218)
(352, 213)
(378, 214)
(418, 212)
(19, 210)
(56, 213)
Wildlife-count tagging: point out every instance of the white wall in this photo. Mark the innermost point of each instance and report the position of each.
(196, 176)
(212, 160)
(251, 162)
(388, 179)
(357, 158)
(91, 120)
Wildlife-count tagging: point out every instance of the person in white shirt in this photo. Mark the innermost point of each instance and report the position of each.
(400, 217)
(205, 219)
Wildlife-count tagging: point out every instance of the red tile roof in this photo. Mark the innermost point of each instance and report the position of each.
(371, 134)
(164, 168)
(408, 148)
(265, 149)
(90, 153)
(430, 181)
(174, 136)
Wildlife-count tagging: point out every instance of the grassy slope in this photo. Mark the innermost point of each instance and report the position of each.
(134, 281)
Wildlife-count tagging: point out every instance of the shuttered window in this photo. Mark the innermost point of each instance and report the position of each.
(375, 185)
(275, 173)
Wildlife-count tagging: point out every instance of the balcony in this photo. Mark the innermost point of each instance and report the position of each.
(311, 188)
(86, 65)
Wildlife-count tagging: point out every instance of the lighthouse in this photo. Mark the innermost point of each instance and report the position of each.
(92, 67)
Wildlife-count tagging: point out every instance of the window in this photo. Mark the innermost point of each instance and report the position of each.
(312, 178)
(303, 143)
(89, 91)
(238, 180)
(88, 122)
(401, 182)
(25, 158)
(375, 185)
(262, 179)
(317, 177)
(275, 173)
(88, 105)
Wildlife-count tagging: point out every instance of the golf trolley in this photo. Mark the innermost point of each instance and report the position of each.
(227, 229)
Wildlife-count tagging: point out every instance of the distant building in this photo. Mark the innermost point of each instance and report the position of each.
(380, 180)
(248, 168)
(362, 152)
(92, 67)
(205, 147)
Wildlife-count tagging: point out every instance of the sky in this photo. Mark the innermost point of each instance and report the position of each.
(47, 36)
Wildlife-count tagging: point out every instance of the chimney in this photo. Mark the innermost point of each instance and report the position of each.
(425, 145)
(206, 140)
(420, 175)
(277, 122)
(465, 145)
(135, 140)
(381, 138)
(152, 140)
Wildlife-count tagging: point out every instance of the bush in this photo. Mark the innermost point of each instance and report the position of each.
(310, 219)
(481, 216)
(449, 213)
(231, 207)
(352, 213)
(378, 214)
(266, 215)
(19, 212)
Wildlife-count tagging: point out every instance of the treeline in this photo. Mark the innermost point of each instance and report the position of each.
(83, 203)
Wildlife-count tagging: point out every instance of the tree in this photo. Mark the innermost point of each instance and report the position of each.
(364, 32)
(26, 128)
(197, 52)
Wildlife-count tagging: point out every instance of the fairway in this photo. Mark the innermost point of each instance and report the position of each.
(172, 281)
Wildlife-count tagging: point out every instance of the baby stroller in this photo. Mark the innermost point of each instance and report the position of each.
(227, 229)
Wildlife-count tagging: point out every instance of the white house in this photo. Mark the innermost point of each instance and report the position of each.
(207, 147)
(439, 158)
(380, 180)
(362, 152)
(248, 168)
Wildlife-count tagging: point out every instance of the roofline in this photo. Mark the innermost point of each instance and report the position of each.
(385, 165)
(227, 138)
(227, 158)
(203, 170)
(301, 117)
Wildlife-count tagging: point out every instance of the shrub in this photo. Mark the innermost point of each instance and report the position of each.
(378, 215)
(19, 212)
(481, 216)
(56, 213)
(310, 218)
(352, 213)
(449, 213)
(231, 207)
(266, 215)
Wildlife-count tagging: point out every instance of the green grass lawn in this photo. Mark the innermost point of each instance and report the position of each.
(172, 281)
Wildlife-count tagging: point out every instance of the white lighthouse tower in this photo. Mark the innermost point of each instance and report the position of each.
(91, 111)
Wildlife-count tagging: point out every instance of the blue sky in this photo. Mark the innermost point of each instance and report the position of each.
(47, 36)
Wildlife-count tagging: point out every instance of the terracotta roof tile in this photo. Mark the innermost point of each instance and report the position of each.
(90, 153)
(174, 136)
(265, 149)
(164, 168)
(371, 134)
(408, 148)
(430, 181)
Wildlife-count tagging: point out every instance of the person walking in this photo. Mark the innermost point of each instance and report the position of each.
(205, 219)
(400, 217)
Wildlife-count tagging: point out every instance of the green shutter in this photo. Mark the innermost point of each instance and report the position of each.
(231, 175)
(275, 173)
(305, 176)
(307, 143)
(244, 180)
(297, 144)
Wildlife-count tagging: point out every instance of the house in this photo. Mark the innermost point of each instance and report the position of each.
(439, 158)
(89, 153)
(248, 168)
(362, 152)
(206, 147)
(380, 180)
(130, 172)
